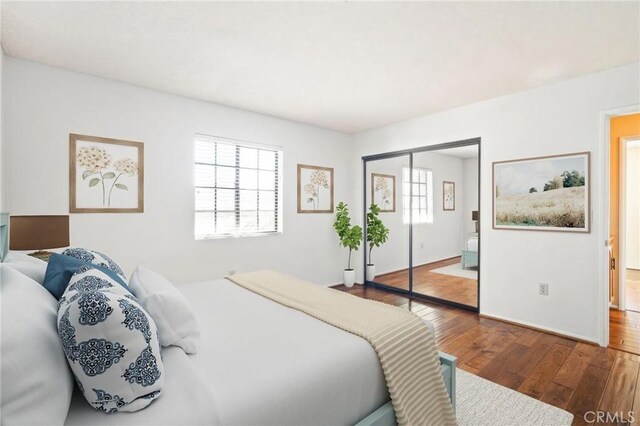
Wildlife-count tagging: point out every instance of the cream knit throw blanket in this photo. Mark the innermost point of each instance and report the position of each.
(404, 345)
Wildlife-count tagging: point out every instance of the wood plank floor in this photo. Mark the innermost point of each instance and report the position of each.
(447, 287)
(624, 331)
(574, 376)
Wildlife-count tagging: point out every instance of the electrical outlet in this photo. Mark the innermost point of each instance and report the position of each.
(421, 245)
(544, 289)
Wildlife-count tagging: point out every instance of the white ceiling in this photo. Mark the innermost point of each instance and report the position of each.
(469, 151)
(348, 66)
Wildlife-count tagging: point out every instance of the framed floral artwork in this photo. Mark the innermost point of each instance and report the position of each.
(315, 189)
(383, 192)
(448, 196)
(105, 175)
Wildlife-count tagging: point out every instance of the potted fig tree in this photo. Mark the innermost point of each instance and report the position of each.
(350, 237)
(377, 234)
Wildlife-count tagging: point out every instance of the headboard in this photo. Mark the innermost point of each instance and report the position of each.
(4, 235)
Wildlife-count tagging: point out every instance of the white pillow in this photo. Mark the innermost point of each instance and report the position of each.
(111, 343)
(36, 382)
(28, 265)
(168, 307)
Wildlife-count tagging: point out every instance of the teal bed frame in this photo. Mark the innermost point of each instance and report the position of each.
(469, 258)
(385, 416)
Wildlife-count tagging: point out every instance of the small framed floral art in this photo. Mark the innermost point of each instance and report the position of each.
(315, 189)
(105, 175)
(383, 192)
(448, 196)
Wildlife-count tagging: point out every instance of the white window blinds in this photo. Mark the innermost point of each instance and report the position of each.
(422, 185)
(237, 188)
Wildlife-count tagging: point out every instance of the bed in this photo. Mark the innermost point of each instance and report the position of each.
(469, 257)
(263, 363)
(284, 370)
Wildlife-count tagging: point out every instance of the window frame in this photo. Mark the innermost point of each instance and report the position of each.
(278, 184)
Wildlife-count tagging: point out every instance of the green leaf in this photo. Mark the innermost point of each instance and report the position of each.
(122, 186)
(94, 182)
(86, 174)
(109, 175)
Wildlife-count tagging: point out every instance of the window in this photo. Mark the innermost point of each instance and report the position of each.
(422, 184)
(237, 188)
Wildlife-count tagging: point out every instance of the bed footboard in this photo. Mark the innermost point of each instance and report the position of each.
(385, 416)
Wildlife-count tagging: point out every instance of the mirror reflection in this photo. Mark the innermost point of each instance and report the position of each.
(445, 240)
(427, 203)
(387, 259)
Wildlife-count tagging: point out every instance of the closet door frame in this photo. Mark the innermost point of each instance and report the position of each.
(365, 206)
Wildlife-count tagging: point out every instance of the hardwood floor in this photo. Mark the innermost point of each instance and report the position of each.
(448, 287)
(574, 376)
(624, 330)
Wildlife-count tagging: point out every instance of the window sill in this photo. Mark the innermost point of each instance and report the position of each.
(228, 236)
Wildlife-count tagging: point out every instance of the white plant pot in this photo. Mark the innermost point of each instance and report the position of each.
(349, 277)
(371, 272)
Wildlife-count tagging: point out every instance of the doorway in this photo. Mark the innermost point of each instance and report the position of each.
(429, 200)
(630, 222)
(624, 232)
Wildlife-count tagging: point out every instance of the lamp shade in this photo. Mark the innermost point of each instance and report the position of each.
(474, 215)
(38, 232)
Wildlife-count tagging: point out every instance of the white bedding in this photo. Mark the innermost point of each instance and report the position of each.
(472, 244)
(185, 400)
(260, 363)
(268, 364)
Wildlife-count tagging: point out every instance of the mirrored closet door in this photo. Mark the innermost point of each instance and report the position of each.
(432, 249)
(387, 249)
(445, 264)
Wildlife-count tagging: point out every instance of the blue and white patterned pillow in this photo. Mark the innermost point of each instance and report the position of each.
(95, 258)
(111, 343)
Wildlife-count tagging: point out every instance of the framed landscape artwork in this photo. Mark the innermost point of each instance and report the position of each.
(448, 196)
(383, 192)
(315, 189)
(105, 175)
(542, 194)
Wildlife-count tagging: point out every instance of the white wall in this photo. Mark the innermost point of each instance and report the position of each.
(441, 239)
(470, 194)
(3, 193)
(632, 200)
(44, 104)
(554, 119)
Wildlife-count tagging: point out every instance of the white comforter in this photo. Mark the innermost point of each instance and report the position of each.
(259, 363)
(472, 244)
(268, 364)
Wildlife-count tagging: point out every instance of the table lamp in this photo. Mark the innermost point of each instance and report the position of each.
(38, 233)
(474, 217)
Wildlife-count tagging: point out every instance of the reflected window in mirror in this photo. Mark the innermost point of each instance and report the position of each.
(421, 181)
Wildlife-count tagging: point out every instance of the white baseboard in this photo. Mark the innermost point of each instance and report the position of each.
(551, 330)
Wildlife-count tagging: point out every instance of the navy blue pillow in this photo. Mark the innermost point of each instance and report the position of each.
(61, 268)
